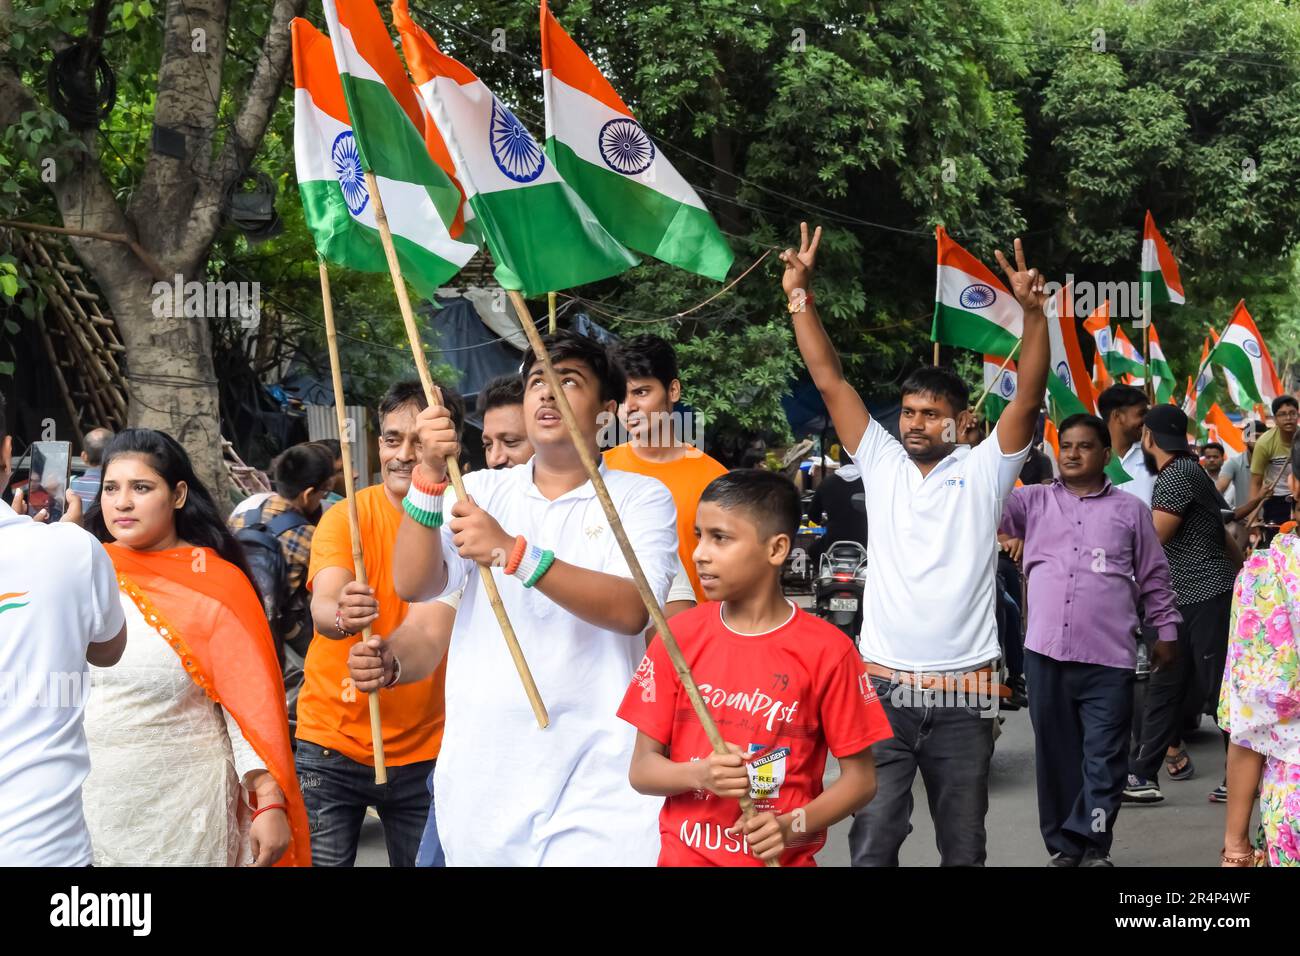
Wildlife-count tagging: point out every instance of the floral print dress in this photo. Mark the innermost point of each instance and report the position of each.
(1259, 704)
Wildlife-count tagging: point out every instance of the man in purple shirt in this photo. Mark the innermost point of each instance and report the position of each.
(1091, 557)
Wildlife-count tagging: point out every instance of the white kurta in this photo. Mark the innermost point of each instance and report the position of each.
(165, 762)
(509, 794)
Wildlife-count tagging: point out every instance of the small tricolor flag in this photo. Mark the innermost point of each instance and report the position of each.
(1069, 385)
(1162, 375)
(1159, 269)
(1242, 353)
(972, 308)
(612, 163)
(1126, 360)
(999, 385)
(1225, 431)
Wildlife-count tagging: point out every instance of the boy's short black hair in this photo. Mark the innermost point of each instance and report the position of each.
(501, 391)
(1212, 444)
(1282, 401)
(1116, 397)
(938, 381)
(331, 445)
(1087, 421)
(568, 345)
(771, 499)
(648, 356)
(309, 465)
(411, 392)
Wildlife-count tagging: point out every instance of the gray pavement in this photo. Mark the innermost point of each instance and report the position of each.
(1185, 830)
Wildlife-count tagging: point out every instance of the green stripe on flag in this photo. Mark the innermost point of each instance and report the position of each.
(1064, 402)
(1115, 471)
(391, 147)
(1155, 281)
(1233, 359)
(644, 219)
(575, 250)
(967, 330)
(343, 240)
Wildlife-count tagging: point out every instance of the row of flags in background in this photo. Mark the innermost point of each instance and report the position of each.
(975, 310)
(456, 170)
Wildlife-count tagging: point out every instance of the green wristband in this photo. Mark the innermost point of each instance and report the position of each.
(544, 565)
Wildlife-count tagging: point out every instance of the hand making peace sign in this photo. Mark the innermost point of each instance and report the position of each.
(799, 265)
(1026, 284)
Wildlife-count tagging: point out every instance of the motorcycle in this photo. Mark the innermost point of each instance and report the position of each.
(839, 587)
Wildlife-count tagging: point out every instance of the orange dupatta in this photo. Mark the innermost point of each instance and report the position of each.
(210, 616)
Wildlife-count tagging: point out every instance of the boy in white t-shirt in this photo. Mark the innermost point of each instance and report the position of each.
(515, 795)
(58, 610)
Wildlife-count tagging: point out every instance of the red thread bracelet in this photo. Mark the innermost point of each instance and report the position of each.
(271, 806)
(516, 554)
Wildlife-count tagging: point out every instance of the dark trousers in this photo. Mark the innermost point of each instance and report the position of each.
(1010, 616)
(1189, 685)
(337, 791)
(1081, 715)
(951, 746)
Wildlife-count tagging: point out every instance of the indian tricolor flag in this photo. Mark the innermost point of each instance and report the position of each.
(1222, 429)
(1098, 326)
(1159, 270)
(541, 234)
(606, 156)
(972, 308)
(1161, 374)
(1203, 391)
(1125, 359)
(1068, 385)
(419, 200)
(1242, 353)
(1236, 393)
(999, 385)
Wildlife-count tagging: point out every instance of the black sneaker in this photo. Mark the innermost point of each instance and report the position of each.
(1220, 793)
(1139, 790)
(1063, 859)
(1095, 858)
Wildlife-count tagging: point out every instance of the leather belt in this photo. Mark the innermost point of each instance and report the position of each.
(980, 680)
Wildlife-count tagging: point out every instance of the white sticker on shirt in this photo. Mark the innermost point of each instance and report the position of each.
(767, 773)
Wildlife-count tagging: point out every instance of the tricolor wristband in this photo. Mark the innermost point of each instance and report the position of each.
(533, 565)
(423, 501)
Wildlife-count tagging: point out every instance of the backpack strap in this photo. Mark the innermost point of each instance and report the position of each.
(284, 522)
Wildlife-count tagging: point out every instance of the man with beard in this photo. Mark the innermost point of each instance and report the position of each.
(1085, 546)
(929, 631)
(1122, 408)
(1203, 563)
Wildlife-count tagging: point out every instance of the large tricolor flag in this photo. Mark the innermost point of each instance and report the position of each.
(972, 308)
(606, 156)
(1242, 352)
(419, 200)
(1159, 269)
(1162, 375)
(1236, 393)
(1068, 385)
(541, 234)
(999, 384)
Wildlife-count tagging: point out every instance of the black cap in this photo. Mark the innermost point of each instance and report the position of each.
(1168, 427)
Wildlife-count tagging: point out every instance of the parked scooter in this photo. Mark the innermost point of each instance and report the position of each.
(840, 584)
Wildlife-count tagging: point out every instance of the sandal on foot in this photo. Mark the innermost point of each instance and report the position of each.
(1179, 765)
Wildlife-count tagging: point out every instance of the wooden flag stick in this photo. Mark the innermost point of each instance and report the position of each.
(1002, 368)
(550, 308)
(936, 355)
(354, 527)
(434, 396)
(620, 535)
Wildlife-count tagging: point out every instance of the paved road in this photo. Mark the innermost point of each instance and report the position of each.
(1185, 830)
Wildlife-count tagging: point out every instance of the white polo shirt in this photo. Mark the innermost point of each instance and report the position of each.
(1143, 482)
(932, 552)
(509, 794)
(58, 595)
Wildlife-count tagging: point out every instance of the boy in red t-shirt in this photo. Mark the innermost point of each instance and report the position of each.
(782, 686)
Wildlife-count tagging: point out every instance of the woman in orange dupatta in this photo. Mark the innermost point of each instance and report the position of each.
(191, 759)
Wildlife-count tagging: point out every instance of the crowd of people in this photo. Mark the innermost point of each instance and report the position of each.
(187, 688)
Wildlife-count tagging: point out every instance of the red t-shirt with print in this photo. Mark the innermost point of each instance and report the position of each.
(785, 696)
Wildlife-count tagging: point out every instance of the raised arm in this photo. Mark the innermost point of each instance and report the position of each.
(1016, 425)
(848, 412)
(419, 566)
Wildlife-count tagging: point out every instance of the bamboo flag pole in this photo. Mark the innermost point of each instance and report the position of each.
(354, 527)
(620, 535)
(433, 396)
(936, 355)
(550, 307)
(1001, 368)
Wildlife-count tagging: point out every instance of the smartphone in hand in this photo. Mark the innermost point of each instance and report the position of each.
(47, 484)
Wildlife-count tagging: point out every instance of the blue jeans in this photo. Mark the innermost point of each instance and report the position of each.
(337, 790)
(430, 852)
(952, 747)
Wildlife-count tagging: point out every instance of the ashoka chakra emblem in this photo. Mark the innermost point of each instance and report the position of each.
(976, 296)
(1008, 387)
(347, 168)
(513, 147)
(1063, 373)
(1251, 347)
(625, 147)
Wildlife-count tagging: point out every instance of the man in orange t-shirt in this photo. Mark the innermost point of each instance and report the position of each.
(655, 447)
(335, 754)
